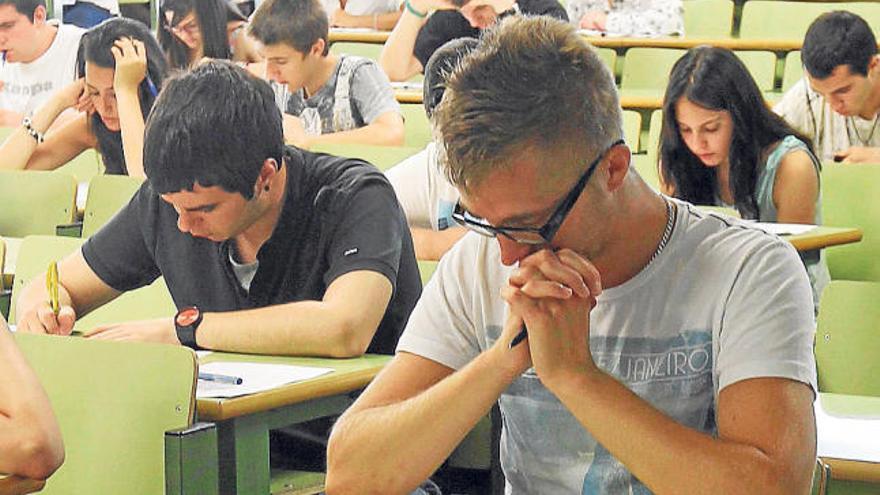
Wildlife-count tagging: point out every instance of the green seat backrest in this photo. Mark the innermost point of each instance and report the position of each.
(383, 157)
(35, 202)
(762, 67)
(653, 148)
(366, 50)
(632, 128)
(113, 401)
(84, 166)
(107, 195)
(426, 270)
(609, 57)
(708, 18)
(794, 70)
(789, 20)
(647, 170)
(648, 68)
(35, 254)
(851, 198)
(847, 338)
(417, 127)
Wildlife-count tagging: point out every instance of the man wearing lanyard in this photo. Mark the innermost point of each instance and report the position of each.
(837, 103)
(417, 35)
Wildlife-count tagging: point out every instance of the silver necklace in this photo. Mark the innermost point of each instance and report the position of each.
(852, 124)
(671, 213)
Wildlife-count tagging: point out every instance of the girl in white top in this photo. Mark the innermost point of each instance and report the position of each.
(637, 18)
(372, 14)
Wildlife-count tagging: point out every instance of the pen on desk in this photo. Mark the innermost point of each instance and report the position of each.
(213, 377)
(52, 287)
(523, 333)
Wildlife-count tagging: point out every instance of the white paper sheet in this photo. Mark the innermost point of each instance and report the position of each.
(784, 228)
(255, 377)
(840, 437)
(407, 85)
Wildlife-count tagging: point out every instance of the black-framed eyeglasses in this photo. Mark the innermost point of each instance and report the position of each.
(532, 235)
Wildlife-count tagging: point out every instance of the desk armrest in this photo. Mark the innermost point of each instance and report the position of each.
(191, 460)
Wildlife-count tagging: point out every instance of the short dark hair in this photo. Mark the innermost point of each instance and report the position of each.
(215, 126)
(441, 64)
(211, 15)
(25, 7)
(838, 38)
(95, 48)
(714, 78)
(296, 23)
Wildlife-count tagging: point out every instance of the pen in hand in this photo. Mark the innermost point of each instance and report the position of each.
(523, 333)
(52, 287)
(213, 377)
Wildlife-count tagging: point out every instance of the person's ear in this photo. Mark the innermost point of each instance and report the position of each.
(618, 159)
(267, 173)
(318, 48)
(40, 15)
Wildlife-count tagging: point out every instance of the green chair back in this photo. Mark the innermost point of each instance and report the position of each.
(113, 401)
(793, 71)
(647, 170)
(648, 68)
(35, 202)
(366, 50)
(383, 157)
(417, 127)
(708, 18)
(35, 254)
(609, 57)
(653, 147)
(632, 128)
(851, 198)
(107, 195)
(773, 19)
(847, 338)
(84, 167)
(426, 270)
(762, 67)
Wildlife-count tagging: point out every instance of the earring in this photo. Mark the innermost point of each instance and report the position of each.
(266, 188)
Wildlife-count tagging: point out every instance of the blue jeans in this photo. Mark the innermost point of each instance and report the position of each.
(85, 14)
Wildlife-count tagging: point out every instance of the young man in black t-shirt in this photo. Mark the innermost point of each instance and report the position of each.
(265, 249)
(417, 35)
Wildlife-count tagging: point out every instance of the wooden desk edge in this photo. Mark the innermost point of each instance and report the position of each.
(849, 470)
(16, 485)
(223, 409)
(808, 243)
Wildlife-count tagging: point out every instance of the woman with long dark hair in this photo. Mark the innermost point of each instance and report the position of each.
(721, 145)
(193, 29)
(120, 72)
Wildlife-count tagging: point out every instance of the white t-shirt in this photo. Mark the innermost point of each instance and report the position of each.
(423, 191)
(830, 131)
(25, 86)
(722, 303)
(111, 5)
(363, 7)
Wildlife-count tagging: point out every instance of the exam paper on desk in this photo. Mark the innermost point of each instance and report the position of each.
(851, 438)
(784, 228)
(255, 377)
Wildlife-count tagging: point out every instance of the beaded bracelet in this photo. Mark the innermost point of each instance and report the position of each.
(29, 127)
(413, 11)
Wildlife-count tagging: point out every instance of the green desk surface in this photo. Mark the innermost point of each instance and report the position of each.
(349, 375)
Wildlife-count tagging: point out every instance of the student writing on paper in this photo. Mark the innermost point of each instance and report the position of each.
(722, 146)
(837, 103)
(265, 248)
(668, 350)
(30, 440)
(636, 18)
(325, 98)
(121, 71)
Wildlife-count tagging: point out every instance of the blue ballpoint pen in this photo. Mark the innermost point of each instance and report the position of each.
(213, 377)
(523, 333)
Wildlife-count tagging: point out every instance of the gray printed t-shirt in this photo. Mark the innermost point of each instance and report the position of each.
(355, 95)
(722, 303)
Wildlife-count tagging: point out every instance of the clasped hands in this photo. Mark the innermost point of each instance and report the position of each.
(553, 294)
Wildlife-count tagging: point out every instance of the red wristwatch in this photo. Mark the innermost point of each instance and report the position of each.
(186, 322)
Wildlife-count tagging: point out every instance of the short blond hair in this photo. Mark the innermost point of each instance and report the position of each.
(532, 82)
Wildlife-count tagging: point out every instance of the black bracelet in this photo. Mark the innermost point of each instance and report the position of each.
(29, 127)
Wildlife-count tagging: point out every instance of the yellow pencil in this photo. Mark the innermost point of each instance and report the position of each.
(52, 287)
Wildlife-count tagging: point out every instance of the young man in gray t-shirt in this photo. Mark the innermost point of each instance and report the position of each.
(326, 98)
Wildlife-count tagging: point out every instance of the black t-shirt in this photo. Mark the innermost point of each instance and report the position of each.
(447, 25)
(339, 215)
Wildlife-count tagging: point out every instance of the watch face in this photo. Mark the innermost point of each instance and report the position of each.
(187, 316)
